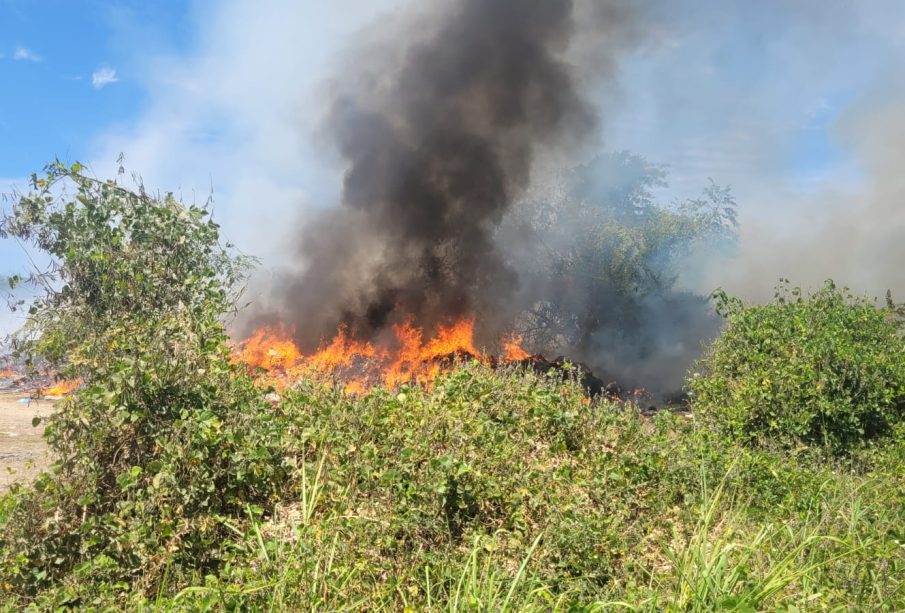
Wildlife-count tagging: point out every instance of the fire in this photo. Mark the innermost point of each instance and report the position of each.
(417, 361)
(62, 387)
(270, 349)
(512, 349)
(34, 382)
(406, 357)
(341, 352)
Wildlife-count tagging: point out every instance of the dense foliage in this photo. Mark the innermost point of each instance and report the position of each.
(827, 369)
(508, 490)
(180, 485)
(164, 439)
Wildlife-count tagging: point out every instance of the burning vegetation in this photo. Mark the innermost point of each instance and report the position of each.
(446, 239)
(173, 464)
(179, 480)
(42, 384)
(403, 356)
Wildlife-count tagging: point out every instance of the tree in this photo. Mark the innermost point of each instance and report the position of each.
(608, 259)
(165, 439)
(118, 259)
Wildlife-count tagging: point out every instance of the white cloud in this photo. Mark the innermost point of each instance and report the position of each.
(27, 55)
(103, 76)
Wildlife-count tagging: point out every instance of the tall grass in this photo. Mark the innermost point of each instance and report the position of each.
(726, 565)
(482, 586)
(506, 492)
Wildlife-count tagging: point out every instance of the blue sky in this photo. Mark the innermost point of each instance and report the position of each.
(781, 100)
(68, 72)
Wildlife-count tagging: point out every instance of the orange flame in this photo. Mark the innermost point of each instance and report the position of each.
(270, 349)
(62, 387)
(512, 349)
(415, 361)
(342, 351)
(406, 357)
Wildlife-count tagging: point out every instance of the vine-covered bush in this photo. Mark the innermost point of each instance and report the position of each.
(165, 440)
(179, 485)
(828, 368)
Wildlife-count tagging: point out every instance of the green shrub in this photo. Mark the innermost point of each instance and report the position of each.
(492, 487)
(497, 487)
(165, 441)
(178, 487)
(822, 369)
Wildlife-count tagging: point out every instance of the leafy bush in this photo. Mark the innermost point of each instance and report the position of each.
(822, 369)
(507, 487)
(165, 439)
(178, 487)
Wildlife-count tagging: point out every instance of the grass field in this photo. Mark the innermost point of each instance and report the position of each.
(509, 491)
(181, 482)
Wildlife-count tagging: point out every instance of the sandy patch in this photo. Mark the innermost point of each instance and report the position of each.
(23, 452)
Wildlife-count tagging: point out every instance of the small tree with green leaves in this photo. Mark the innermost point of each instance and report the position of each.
(828, 368)
(604, 260)
(165, 439)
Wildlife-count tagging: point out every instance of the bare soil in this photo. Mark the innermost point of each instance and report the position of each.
(23, 453)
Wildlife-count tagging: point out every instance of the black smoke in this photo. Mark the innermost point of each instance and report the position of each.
(439, 127)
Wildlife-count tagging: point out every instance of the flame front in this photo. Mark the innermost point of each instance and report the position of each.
(512, 349)
(406, 357)
(62, 387)
(270, 349)
(35, 384)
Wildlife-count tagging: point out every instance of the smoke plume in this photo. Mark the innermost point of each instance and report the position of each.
(852, 235)
(793, 104)
(439, 133)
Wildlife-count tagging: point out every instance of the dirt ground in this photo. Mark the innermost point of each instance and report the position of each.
(22, 450)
